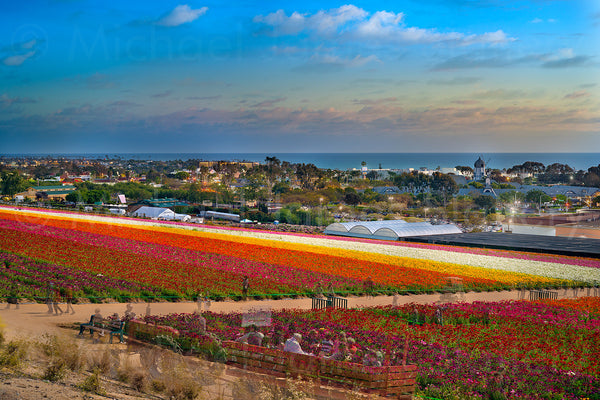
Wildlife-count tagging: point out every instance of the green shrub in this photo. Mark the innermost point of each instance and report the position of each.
(92, 383)
(55, 371)
(13, 354)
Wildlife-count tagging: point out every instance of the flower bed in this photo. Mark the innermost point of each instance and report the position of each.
(512, 350)
(180, 263)
(187, 262)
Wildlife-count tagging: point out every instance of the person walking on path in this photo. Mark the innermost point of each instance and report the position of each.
(245, 287)
(69, 298)
(55, 300)
(49, 290)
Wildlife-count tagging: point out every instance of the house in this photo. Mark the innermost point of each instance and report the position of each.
(47, 192)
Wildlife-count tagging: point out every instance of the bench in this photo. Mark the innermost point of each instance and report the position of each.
(542, 294)
(112, 326)
(387, 380)
(329, 302)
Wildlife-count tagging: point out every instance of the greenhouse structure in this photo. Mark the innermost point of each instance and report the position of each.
(389, 230)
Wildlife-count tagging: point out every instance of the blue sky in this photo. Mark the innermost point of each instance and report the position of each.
(263, 76)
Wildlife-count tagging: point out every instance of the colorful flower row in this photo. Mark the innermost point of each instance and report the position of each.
(385, 270)
(290, 237)
(30, 279)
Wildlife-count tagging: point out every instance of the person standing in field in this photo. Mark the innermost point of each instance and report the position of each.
(245, 287)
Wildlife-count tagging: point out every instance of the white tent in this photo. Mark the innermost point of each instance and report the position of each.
(154, 213)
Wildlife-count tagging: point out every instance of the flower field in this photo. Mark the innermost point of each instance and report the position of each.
(179, 261)
(506, 350)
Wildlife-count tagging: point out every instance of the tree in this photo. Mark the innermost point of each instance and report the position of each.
(307, 174)
(537, 196)
(558, 168)
(443, 185)
(182, 175)
(352, 198)
(485, 202)
(592, 177)
(12, 183)
(511, 197)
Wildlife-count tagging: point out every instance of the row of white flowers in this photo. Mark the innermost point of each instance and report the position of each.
(540, 268)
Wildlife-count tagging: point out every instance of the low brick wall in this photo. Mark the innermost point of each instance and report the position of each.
(387, 380)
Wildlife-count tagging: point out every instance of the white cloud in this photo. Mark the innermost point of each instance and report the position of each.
(180, 15)
(15, 61)
(283, 24)
(381, 24)
(353, 23)
(539, 21)
(323, 22)
(497, 37)
(330, 21)
(30, 44)
(357, 61)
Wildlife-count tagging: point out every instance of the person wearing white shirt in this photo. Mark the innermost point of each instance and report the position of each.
(293, 345)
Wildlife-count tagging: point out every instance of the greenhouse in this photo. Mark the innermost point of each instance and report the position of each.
(389, 230)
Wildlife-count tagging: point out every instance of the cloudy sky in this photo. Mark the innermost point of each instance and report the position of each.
(300, 76)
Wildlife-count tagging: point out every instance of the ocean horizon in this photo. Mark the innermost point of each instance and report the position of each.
(345, 161)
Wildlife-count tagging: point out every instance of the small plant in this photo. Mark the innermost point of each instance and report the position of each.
(13, 354)
(92, 383)
(100, 361)
(63, 349)
(55, 371)
(139, 381)
(158, 386)
(184, 388)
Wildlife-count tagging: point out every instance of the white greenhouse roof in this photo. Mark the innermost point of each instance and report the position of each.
(390, 230)
(154, 212)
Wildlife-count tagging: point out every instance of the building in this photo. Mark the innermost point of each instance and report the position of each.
(479, 172)
(165, 203)
(389, 230)
(575, 194)
(159, 213)
(59, 192)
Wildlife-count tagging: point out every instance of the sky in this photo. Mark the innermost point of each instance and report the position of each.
(82, 76)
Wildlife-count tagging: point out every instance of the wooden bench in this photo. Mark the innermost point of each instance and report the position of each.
(387, 380)
(112, 326)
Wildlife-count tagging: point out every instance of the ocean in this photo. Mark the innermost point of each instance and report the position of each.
(344, 161)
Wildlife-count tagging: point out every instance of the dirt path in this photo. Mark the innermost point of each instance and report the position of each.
(31, 320)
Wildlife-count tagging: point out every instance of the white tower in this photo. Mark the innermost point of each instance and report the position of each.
(479, 169)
